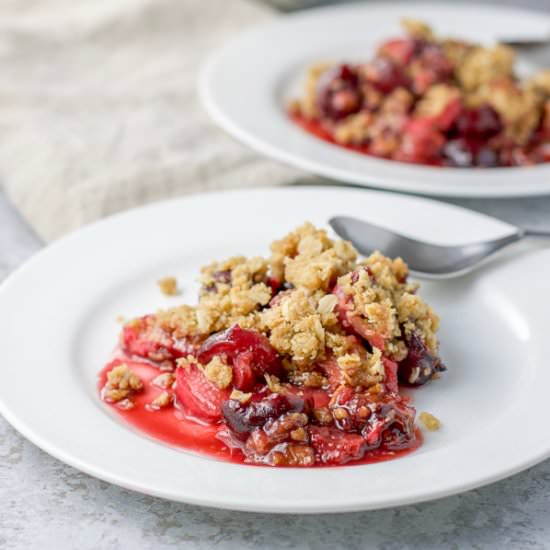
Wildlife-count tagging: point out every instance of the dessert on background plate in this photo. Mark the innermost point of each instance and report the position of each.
(427, 100)
(297, 359)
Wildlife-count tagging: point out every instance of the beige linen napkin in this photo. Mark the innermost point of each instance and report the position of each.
(99, 110)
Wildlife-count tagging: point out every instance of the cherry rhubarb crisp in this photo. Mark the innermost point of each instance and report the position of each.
(427, 100)
(293, 360)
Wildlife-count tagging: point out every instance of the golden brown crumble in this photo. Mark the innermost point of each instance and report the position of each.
(307, 257)
(180, 320)
(436, 98)
(231, 290)
(219, 372)
(430, 422)
(518, 107)
(242, 397)
(362, 369)
(162, 400)
(303, 320)
(121, 384)
(417, 29)
(295, 328)
(169, 286)
(164, 380)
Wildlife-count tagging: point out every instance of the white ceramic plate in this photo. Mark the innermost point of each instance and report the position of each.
(57, 327)
(247, 84)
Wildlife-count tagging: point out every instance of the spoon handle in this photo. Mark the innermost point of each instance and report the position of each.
(540, 233)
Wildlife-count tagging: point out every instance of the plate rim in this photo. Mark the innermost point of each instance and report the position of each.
(227, 503)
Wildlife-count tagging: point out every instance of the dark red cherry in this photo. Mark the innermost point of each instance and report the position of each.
(338, 93)
(420, 364)
(481, 121)
(385, 75)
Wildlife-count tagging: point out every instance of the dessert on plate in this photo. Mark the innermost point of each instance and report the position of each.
(429, 100)
(297, 359)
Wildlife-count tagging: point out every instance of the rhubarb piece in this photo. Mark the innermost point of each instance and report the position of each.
(197, 396)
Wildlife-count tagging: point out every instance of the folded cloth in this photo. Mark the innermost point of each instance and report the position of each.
(99, 110)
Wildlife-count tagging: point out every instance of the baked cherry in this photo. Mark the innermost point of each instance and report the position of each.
(420, 364)
(338, 93)
(422, 142)
(243, 418)
(482, 121)
(385, 75)
(390, 425)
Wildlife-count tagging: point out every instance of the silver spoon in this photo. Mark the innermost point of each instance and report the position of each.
(428, 261)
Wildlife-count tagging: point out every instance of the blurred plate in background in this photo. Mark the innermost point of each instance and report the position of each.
(247, 85)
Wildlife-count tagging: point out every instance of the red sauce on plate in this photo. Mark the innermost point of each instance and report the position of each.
(171, 426)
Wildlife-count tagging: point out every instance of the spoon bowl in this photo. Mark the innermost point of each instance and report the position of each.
(425, 260)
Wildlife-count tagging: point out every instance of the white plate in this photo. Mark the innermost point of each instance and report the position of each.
(247, 84)
(57, 327)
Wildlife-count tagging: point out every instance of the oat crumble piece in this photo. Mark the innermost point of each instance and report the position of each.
(430, 422)
(307, 258)
(242, 397)
(231, 291)
(436, 98)
(219, 372)
(165, 380)
(295, 327)
(121, 384)
(163, 400)
(483, 65)
(518, 107)
(168, 286)
(417, 29)
(297, 300)
(180, 321)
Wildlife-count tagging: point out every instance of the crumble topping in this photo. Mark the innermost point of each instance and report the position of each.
(241, 397)
(295, 328)
(417, 29)
(231, 290)
(430, 422)
(121, 384)
(165, 380)
(436, 99)
(169, 286)
(219, 372)
(482, 65)
(517, 106)
(362, 369)
(161, 401)
(180, 321)
(307, 257)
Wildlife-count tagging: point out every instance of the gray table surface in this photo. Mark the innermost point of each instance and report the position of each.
(46, 504)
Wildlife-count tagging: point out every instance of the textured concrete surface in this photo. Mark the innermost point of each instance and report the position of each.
(45, 504)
